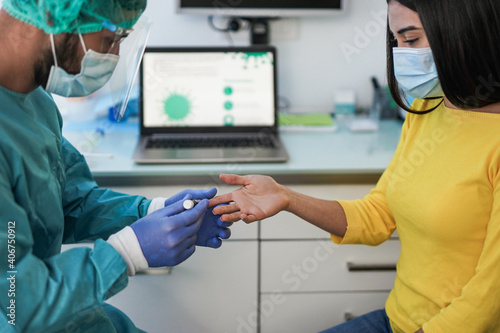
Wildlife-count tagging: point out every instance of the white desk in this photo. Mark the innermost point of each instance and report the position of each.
(312, 154)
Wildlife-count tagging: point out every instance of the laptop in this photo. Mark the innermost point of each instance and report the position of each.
(209, 105)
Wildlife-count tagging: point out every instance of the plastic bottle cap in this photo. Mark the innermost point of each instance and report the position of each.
(188, 204)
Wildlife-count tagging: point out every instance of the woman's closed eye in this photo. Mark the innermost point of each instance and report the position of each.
(411, 41)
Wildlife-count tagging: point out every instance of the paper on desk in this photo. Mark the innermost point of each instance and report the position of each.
(363, 125)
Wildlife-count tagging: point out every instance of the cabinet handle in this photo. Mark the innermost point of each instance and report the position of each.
(349, 316)
(353, 267)
(156, 271)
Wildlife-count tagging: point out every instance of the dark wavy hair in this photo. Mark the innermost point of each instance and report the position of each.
(464, 36)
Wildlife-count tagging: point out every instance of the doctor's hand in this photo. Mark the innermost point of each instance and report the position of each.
(167, 236)
(259, 197)
(213, 230)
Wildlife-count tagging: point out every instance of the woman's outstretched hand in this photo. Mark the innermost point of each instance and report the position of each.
(259, 197)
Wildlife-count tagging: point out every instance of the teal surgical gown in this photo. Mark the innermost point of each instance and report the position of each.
(49, 198)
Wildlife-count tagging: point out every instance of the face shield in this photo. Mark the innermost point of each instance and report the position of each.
(122, 85)
(112, 37)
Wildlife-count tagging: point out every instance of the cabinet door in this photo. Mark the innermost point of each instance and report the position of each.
(239, 230)
(319, 266)
(301, 313)
(288, 226)
(213, 291)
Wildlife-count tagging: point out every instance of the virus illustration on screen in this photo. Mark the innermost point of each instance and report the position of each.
(177, 107)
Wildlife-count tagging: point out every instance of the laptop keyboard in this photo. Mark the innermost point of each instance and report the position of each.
(222, 142)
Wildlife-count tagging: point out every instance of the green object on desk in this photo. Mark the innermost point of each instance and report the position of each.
(307, 119)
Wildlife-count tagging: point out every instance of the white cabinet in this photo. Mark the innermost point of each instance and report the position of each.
(308, 283)
(321, 266)
(310, 313)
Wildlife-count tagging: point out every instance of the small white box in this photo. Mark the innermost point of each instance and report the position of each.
(345, 102)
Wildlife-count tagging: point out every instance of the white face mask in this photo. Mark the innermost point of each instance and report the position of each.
(416, 72)
(96, 70)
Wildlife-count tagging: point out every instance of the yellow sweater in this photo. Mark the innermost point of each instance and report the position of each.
(442, 192)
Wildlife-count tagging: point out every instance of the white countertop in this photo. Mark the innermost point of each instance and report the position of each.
(312, 153)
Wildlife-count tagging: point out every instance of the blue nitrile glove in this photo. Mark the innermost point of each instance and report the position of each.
(167, 236)
(213, 230)
(194, 194)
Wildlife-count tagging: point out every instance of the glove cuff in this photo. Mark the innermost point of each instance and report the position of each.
(156, 203)
(125, 242)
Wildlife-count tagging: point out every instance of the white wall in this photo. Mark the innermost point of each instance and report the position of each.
(329, 52)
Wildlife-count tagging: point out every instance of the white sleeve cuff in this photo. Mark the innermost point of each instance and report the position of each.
(127, 245)
(156, 203)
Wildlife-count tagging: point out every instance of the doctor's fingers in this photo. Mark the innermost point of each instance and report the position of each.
(204, 194)
(223, 224)
(174, 207)
(214, 243)
(182, 238)
(179, 227)
(187, 253)
(224, 233)
(188, 217)
(184, 250)
(194, 194)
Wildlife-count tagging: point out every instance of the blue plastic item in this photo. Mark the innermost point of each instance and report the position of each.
(132, 110)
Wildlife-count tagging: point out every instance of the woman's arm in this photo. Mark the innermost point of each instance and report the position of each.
(261, 197)
(327, 215)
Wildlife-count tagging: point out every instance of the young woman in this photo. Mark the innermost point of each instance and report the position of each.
(441, 190)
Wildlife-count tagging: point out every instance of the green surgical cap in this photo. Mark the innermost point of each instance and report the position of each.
(82, 16)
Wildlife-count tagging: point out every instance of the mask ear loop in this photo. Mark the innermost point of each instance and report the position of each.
(83, 43)
(53, 49)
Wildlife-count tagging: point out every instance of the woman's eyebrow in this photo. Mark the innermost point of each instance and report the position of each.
(410, 28)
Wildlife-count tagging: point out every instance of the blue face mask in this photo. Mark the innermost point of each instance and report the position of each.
(416, 72)
(96, 70)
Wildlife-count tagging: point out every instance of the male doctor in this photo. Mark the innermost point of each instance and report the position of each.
(48, 195)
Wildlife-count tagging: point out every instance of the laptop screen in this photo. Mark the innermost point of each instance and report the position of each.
(208, 88)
